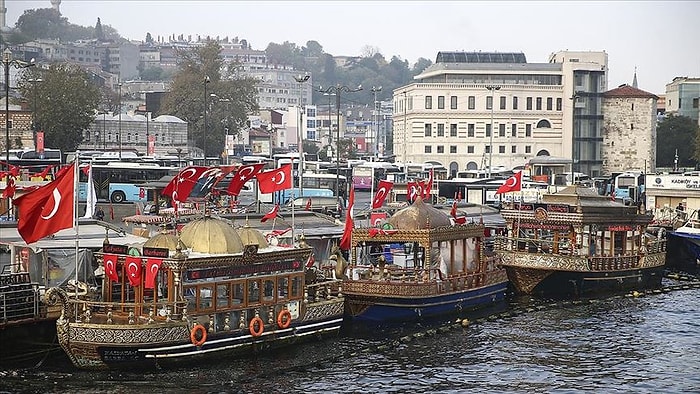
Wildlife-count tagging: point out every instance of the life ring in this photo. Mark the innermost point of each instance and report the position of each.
(256, 321)
(202, 333)
(284, 318)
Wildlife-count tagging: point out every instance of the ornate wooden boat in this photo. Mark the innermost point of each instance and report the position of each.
(578, 243)
(420, 265)
(211, 291)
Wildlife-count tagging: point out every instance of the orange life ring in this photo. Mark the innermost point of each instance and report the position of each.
(256, 332)
(284, 318)
(202, 333)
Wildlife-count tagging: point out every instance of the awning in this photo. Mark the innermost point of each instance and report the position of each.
(90, 236)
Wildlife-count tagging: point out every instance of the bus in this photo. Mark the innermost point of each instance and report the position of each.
(315, 185)
(364, 174)
(122, 182)
(629, 186)
(32, 163)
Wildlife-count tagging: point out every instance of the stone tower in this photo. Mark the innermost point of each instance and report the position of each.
(56, 5)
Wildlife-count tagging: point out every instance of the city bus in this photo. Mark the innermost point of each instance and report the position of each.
(32, 163)
(364, 174)
(315, 185)
(122, 182)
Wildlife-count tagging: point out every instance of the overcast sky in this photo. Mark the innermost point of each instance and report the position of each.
(659, 38)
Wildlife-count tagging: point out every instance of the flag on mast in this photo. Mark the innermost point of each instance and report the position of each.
(91, 199)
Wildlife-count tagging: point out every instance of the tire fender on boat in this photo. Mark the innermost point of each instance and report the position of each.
(256, 326)
(202, 334)
(284, 318)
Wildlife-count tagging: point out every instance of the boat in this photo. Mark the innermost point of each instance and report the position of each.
(210, 291)
(419, 265)
(578, 243)
(683, 252)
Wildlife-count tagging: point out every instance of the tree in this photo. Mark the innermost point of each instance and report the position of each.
(99, 34)
(230, 96)
(677, 133)
(149, 38)
(42, 23)
(65, 101)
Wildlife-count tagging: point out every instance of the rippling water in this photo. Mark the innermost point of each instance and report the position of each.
(624, 344)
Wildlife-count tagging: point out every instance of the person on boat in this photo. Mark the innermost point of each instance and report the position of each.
(680, 207)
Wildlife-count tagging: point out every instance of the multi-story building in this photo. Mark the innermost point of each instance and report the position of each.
(448, 114)
(683, 97)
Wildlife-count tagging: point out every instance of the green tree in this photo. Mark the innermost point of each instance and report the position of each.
(99, 33)
(65, 101)
(230, 96)
(677, 133)
(42, 23)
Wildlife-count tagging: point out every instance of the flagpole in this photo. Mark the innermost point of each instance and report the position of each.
(371, 192)
(76, 224)
(292, 194)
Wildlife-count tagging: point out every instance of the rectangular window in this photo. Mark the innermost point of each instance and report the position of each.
(470, 149)
(440, 130)
(488, 130)
(696, 103)
(489, 102)
(515, 102)
(514, 130)
(558, 103)
(549, 103)
(539, 104)
(501, 149)
(503, 102)
(428, 149)
(631, 126)
(441, 102)
(472, 102)
(453, 102)
(428, 130)
(528, 103)
(470, 130)
(502, 130)
(513, 149)
(528, 149)
(528, 130)
(428, 102)
(440, 149)
(453, 148)
(487, 149)
(453, 130)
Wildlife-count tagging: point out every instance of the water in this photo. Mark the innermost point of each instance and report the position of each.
(648, 344)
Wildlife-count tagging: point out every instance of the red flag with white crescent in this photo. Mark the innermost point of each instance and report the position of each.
(181, 185)
(413, 190)
(345, 241)
(10, 188)
(243, 175)
(152, 267)
(275, 180)
(513, 184)
(308, 204)
(133, 270)
(110, 266)
(272, 214)
(427, 186)
(380, 195)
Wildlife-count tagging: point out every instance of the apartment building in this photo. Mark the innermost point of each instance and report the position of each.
(683, 97)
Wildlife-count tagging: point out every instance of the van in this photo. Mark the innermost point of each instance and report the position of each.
(323, 204)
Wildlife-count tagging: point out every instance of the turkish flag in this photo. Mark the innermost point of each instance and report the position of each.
(308, 204)
(110, 265)
(10, 188)
(275, 180)
(86, 170)
(375, 218)
(513, 184)
(413, 190)
(428, 186)
(453, 211)
(133, 270)
(45, 172)
(152, 267)
(181, 185)
(345, 241)
(208, 179)
(243, 175)
(272, 214)
(380, 195)
(47, 209)
(14, 170)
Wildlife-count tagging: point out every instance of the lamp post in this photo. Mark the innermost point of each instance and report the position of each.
(405, 134)
(574, 97)
(375, 116)
(148, 142)
(300, 134)
(337, 90)
(204, 149)
(491, 89)
(330, 120)
(119, 132)
(35, 106)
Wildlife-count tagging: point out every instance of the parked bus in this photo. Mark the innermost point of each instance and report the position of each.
(364, 174)
(32, 163)
(122, 182)
(629, 186)
(315, 185)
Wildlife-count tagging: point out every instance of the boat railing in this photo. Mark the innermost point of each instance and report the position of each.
(529, 245)
(127, 312)
(324, 290)
(19, 302)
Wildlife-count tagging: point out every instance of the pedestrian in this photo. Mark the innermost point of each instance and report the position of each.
(100, 214)
(680, 207)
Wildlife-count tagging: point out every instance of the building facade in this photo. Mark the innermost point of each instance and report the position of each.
(683, 97)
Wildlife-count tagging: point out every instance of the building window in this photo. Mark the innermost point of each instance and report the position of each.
(487, 149)
(513, 149)
(428, 102)
(502, 130)
(515, 102)
(470, 149)
(528, 130)
(632, 106)
(471, 102)
(539, 104)
(489, 102)
(631, 126)
(428, 130)
(470, 130)
(528, 149)
(453, 130)
(696, 103)
(503, 102)
(514, 130)
(453, 102)
(440, 130)
(440, 149)
(441, 102)
(501, 149)
(488, 130)
(428, 149)
(453, 148)
(549, 103)
(544, 124)
(558, 103)
(528, 103)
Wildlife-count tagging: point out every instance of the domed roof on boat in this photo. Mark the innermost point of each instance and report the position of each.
(210, 235)
(419, 216)
(251, 236)
(162, 240)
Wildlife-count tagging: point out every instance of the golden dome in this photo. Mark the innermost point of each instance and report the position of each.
(251, 236)
(162, 240)
(419, 216)
(209, 235)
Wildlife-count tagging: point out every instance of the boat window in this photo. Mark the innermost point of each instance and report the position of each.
(297, 282)
(190, 293)
(282, 288)
(238, 293)
(222, 295)
(253, 292)
(205, 297)
(269, 290)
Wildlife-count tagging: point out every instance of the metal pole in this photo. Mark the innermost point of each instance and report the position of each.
(300, 132)
(337, 144)
(120, 121)
(6, 56)
(491, 89)
(573, 136)
(206, 81)
(405, 134)
(147, 141)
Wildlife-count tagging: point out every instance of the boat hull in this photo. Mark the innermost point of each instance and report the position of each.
(683, 252)
(29, 342)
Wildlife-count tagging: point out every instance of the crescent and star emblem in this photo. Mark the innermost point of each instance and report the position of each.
(282, 177)
(154, 269)
(110, 265)
(511, 181)
(183, 174)
(56, 203)
(245, 172)
(132, 272)
(380, 194)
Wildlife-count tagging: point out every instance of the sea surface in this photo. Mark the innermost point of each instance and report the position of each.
(623, 344)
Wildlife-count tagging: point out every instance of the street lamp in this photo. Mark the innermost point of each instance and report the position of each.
(8, 61)
(491, 89)
(206, 82)
(405, 134)
(35, 106)
(300, 135)
(119, 132)
(337, 89)
(330, 120)
(375, 117)
(574, 97)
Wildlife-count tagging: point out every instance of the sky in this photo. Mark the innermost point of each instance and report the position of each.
(658, 38)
